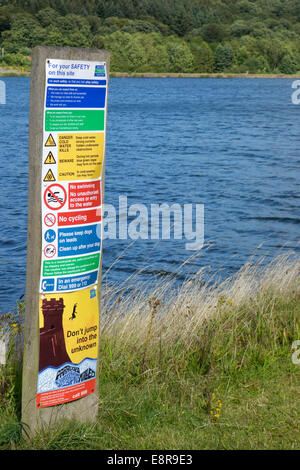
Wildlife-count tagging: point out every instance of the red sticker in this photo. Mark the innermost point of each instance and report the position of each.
(79, 217)
(84, 195)
(64, 395)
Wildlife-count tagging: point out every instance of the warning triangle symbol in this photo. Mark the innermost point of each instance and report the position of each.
(50, 159)
(50, 142)
(49, 176)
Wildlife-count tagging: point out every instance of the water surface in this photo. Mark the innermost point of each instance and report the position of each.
(230, 144)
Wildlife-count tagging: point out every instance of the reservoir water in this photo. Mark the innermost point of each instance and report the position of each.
(230, 144)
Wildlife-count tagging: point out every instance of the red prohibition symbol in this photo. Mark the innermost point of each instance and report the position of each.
(49, 251)
(55, 197)
(49, 219)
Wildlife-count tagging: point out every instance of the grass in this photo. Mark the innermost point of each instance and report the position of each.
(203, 366)
(14, 71)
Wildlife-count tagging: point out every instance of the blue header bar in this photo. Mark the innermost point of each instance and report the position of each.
(75, 97)
(74, 81)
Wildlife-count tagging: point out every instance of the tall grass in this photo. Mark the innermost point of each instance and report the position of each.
(248, 315)
(166, 348)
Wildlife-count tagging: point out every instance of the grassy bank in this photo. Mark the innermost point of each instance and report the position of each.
(203, 366)
(14, 72)
(200, 75)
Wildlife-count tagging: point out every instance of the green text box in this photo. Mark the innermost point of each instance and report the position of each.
(74, 120)
(62, 267)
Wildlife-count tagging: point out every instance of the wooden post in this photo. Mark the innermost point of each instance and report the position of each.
(66, 170)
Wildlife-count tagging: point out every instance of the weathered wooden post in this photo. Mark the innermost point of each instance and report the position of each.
(64, 253)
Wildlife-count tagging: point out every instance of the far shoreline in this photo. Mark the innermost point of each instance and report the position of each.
(15, 72)
(199, 75)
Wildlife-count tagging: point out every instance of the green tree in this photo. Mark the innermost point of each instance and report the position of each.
(5, 14)
(239, 28)
(246, 7)
(135, 26)
(273, 51)
(213, 32)
(223, 58)
(163, 28)
(260, 34)
(259, 29)
(156, 50)
(47, 16)
(288, 64)
(95, 24)
(25, 32)
(181, 58)
(54, 37)
(126, 53)
(203, 57)
(73, 23)
(119, 23)
(98, 42)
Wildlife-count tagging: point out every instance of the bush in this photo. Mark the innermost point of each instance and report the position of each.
(213, 32)
(288, 65)
(181, 58)
(139, 26)
(203, 57)
(223, 58)
(15, 60)
(239, 28)
(98, 42)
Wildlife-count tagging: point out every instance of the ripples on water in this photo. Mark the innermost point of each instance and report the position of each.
(230, 144)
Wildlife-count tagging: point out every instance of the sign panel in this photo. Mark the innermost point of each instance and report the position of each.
(80, 155)
(69, 331)
(72, 161)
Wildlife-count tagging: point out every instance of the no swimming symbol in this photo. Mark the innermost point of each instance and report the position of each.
(55, 197)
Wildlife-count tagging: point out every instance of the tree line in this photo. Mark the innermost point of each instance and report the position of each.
(181, 36)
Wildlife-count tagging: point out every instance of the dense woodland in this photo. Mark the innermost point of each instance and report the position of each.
(191, 36)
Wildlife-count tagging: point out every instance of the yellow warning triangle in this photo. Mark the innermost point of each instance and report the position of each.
(50, 142)
(50, 159)
(49, 176)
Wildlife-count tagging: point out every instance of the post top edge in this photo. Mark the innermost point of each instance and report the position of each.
(58, 52)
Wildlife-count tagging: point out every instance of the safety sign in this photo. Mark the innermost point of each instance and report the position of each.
(50, 160)
(49, 176)
(49, 251)
(50, 235)
(74, 265)
(49, 219)
(80, 156)
(75, 97)
(55, 196)
(72, 165)
(79, 240)
(79, 217)
(74, 120)
(50, 141)
(68, 346)
(84, 195)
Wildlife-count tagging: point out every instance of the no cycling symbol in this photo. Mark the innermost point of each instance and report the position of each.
(49, 220)
(55, 197)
